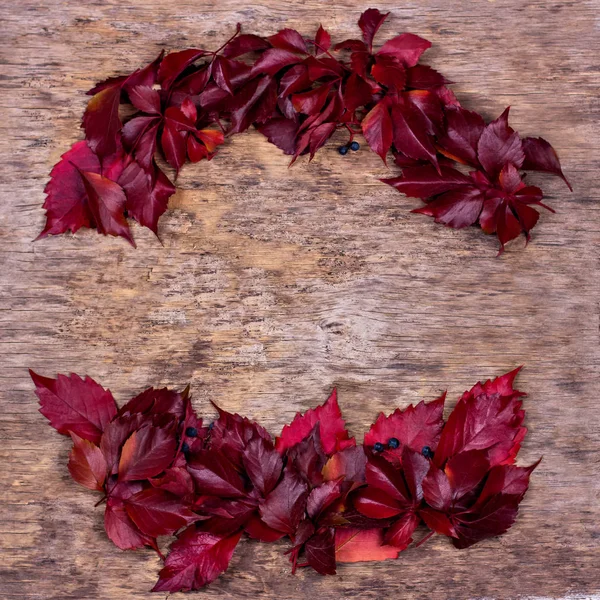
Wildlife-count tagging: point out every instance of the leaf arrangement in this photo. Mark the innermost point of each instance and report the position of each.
(296, 93)
(162, 472)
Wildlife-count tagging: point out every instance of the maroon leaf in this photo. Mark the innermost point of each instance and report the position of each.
(423, 77)
(156, 512)
(101, 120)
(400, 533)
(332, 428)
(357, 92)
(75, 405)
(87, 464)
(320, 552)
(414, 427)
(322, 40)
(263, 464)
(406, 48)
(370, 21)
(242, 44)
(424, 182)
(288, 39)
(175, 63)
(196, 559)
(215, 475)
(487, 417)
(459, 141)
(457, 209)
(410, 134)
(283, 508)
(541, 156)
(146, 453)
(377, 129)
(147, 194)
(499, 144)
(145, 98)
(322, 497)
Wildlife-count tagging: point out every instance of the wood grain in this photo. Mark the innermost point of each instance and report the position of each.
(274, 284)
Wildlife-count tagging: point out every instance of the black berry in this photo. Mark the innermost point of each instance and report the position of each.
(211, 425)
(185, 447)
(378, 447)
(191, 432)
(354, 146)
(427, 452)
(393, 443)
(343, 150)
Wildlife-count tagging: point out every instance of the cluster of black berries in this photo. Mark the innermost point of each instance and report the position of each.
(354, 146)
(394, 443)
(191, 432)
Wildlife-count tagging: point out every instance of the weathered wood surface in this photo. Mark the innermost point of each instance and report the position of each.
(273, 285)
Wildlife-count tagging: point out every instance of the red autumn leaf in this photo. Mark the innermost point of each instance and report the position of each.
(175, 63)
(121, 530)
(487, 417)
(156, 512)
(87, 464)
(283, 508)
(146, 99)
(196, 559)
(389, 72)
(357, 92)
(406, 48)
(541, 156)
(436, 489)
(377, 129)
(242, 44)
(414, 427)
(370, 21)
(101, 120)
(322, 497)
(115, 434)
(288, 39)
(320, 552)
(176, 480)
(499, 144)
(399, 535)
(106, 201)
(271, 61)
(263, 464)
(423, 77)
(410, 134)
(215, 475)
(311, 102)
(465, 470)
(361, 545)
(257, 530)
(459, 141)
(146, 453)
(349, 463)
(322, 40)
(332, 428)
(424, 182)
(75, 405)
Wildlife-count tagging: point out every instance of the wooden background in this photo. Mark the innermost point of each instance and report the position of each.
(273, 285)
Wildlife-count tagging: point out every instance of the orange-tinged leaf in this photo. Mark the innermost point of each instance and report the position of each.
(87, 464)
(362, 545)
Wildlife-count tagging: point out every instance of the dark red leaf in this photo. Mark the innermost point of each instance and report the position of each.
(357, 92)
(242, 44)
(214, 475)
(281, 132)
(284, 507)
(87, 464)
(377, 504)
(436, 489)
(196, 559)
(320, 552)
(377, 129)
(487, 417)
(257, 530)
(400, 533)
(499, 144)
(410, 134)
(288, 39)
(332, 428)
(461, 137)
(145, 98)
(101, 121)
(322, 40)
(370, 21)
(263, 464)
(146, 453)
(414, 427)
(147, 194)
(541, 156)
(465, 470)
(75, 405)
(424, 182)
(176, 480)
(175, 63)
(457, 209)
(423, 77)
(273, 60)
(406, 48)
(156, 512)
(322, 497)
